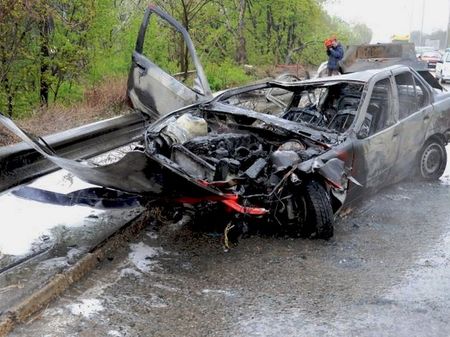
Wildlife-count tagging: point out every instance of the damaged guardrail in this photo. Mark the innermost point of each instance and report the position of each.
(20, 163)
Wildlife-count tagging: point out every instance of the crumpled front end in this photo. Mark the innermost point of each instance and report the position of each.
(251, 168)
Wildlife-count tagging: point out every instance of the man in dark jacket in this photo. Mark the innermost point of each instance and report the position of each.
(335, 53)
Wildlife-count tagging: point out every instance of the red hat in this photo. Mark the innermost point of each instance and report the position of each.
(328, 43)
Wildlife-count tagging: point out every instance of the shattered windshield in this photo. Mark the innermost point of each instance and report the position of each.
(328, 106)
(270, 100)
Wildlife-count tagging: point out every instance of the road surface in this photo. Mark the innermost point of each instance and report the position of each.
(386, 272)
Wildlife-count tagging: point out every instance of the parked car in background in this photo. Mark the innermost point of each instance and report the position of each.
(443, 68)
(431, 57)
(423, 49)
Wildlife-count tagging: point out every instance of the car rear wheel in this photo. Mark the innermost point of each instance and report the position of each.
(319, 213)
(432, 160)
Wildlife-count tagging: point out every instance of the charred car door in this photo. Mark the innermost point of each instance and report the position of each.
(151, 89)
(415, 113)
(377, 144)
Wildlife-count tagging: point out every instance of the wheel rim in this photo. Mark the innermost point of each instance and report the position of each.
(431, 160)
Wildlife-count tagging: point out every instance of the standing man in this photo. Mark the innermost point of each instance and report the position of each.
(335, 53)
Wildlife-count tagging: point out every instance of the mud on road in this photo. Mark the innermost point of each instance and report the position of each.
(385, 272)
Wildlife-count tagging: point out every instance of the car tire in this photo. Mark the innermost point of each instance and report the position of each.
(432, 160)
(319, 213)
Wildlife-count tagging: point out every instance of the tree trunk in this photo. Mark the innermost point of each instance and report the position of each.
(241, 52)
(9, 96)
(184, 57)
(45, 54)
(269, 23)
(6, 85)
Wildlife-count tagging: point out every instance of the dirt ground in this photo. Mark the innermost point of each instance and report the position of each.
(101, 102)
(384, 273)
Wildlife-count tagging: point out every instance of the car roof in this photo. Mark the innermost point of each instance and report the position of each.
(361, 76)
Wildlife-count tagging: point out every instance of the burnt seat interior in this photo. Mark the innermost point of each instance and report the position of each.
(409, 103)
(378, 113)
(346, 113)
(335, 110)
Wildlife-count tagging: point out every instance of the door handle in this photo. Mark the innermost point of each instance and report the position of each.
(426, 118)
(141, 69)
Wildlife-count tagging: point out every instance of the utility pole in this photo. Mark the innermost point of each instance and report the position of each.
(447, 42)
(421, 27)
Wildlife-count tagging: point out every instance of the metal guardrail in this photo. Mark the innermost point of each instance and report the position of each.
(20, 163)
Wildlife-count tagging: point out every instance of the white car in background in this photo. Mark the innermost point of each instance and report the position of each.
(420, 50)
(443, 68)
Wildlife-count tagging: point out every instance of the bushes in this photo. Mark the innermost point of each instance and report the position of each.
(225, 75)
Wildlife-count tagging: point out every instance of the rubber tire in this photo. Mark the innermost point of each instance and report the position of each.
(319, 213)
(429, 147)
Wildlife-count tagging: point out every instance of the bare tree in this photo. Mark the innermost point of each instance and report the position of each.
(186, 11)
(241, 50)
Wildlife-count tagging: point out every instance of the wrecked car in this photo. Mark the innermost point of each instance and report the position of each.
(286, 153)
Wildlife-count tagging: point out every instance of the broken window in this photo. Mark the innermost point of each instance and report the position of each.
(257, 100)
(412, 95)
(166, 48)
(421, 94)
(379, 112)
(332, 106)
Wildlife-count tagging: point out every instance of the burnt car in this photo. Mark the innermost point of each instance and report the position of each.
(287, 153)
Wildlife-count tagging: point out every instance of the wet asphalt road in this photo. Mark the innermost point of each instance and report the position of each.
(386, 272)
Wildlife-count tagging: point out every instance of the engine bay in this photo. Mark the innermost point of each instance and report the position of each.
(259, 167)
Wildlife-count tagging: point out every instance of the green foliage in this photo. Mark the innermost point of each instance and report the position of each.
(225, 75)
(68, 45)
(17, 50)
(112, 39)
(70, 93)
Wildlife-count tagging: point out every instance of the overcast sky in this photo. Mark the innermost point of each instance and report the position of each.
(389, 17)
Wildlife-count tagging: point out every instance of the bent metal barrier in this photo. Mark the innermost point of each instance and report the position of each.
(20, 163)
